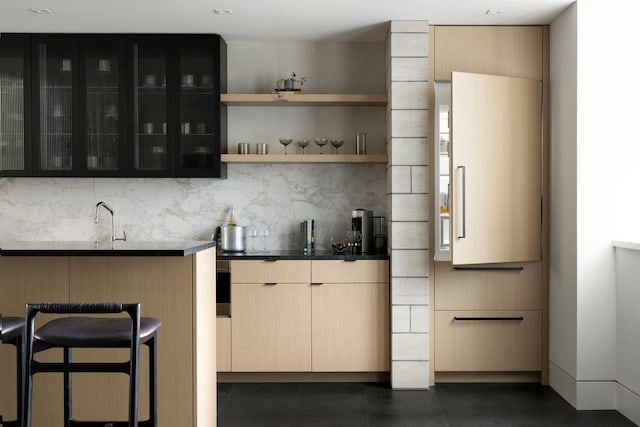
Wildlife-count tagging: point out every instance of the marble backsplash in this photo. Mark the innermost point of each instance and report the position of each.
(277, 196)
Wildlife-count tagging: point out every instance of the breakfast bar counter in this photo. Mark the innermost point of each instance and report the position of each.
(174, 282)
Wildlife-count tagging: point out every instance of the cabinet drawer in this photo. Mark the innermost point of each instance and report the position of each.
(359, 271)
(488, 289)
(488, 345)
(280, 271)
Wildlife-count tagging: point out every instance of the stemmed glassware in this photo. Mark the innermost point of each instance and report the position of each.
(302, 144)
(253, 233)
(263, 233)
(337, 143)
(285, 142)
(321, 142)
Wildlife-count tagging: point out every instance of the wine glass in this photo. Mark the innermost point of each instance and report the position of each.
(263, 233)
(253, 233)
(285, 142)
(321, 142)
(303, 143)
(337, 143)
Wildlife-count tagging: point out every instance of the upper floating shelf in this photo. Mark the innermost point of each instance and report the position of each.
(312, 99)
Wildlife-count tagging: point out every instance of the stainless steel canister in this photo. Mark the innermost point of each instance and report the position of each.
(233, 238)
(243, 148)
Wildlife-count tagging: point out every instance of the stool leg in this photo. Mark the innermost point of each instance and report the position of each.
(153, 387)
(27, 366)
(18, 345)
(67, 387)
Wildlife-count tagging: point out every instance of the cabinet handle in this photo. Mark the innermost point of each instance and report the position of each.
(350, 260)
(271, 283)
(462, 195)
(488, 318)
(509, 268)
(270, 259)
(316, 283)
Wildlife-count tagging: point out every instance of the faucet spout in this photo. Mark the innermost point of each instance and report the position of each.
(113, 228)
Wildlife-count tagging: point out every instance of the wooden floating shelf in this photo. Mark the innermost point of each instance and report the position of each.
(304, 158)
(310, 99)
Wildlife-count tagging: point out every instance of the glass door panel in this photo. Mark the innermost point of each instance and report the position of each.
(55, 86)
(442, 168)
(12, 107)
(150, 108)
(197, 108)
(103, 87)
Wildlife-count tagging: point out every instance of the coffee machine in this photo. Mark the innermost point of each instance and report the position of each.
(362, 221)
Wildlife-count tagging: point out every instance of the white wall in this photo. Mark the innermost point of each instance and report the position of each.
(563, 227)
(627, 335)
(605, 142)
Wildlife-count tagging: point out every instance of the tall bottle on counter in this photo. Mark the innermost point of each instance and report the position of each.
(308, 236)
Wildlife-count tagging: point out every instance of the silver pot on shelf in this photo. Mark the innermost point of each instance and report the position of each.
(231, 238)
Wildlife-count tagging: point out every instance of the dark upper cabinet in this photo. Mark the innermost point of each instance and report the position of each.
(112, 105)
(15, 115)
(54, 105)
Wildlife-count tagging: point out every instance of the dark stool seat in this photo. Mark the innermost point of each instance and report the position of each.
(94, 332)
(11, 331)
(12, 328)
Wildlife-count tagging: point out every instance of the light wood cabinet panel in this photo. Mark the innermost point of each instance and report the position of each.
(507, 51)
(496, 169)
(32, 280)
(164, 287)
(280, 271)
(223, 344)
(359, 271)
(350, 328)
(271, 329)
(488, 289)
(488, 345)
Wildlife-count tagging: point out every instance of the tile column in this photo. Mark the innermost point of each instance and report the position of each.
(407, 201)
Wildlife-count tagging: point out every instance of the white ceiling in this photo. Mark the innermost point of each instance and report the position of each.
(361, 20)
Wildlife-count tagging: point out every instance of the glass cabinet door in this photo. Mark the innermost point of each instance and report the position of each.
(54, 68)
(103, 65)
(442, 168)
(150, 147)
(14, 126)
(198, 110)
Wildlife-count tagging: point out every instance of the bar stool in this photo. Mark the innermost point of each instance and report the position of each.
(11, 333)
(91, 332)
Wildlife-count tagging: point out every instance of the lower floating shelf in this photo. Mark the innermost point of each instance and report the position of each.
(304, 158)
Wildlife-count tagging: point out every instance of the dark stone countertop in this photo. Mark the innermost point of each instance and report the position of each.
(104, 248)
(296, 255)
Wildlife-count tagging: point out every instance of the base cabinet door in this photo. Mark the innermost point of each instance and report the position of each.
(350, 327)
(271, 329)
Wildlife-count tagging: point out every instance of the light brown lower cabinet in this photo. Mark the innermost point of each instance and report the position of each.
(336, 319)
(271, 327)
(223, 344)
(499, 341)
(350, 327)
(488, 320)
(179, 290)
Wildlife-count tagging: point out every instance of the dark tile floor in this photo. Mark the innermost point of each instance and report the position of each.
(375, 405)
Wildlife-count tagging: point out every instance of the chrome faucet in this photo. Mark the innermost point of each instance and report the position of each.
(113, 228)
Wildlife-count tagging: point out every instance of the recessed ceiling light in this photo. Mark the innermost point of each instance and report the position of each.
(42, 11)
(493, 12)
(223, 11)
